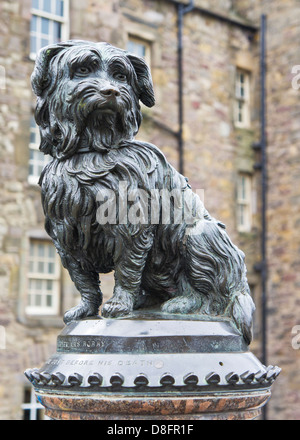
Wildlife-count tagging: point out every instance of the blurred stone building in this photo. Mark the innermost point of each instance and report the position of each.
(213, 147)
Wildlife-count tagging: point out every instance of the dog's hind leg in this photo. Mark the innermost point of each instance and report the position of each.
(87, 283)
(186, 301)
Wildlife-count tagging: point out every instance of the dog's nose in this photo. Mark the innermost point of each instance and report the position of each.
(109, 92)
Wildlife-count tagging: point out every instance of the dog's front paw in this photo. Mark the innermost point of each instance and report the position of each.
(83, 310)
(118, 305)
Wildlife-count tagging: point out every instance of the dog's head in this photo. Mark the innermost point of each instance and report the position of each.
(88, 96)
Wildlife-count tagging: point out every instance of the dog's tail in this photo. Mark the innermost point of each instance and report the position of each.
(241, 309)
(217, 271)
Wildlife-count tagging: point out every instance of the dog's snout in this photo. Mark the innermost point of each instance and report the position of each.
(109, 92)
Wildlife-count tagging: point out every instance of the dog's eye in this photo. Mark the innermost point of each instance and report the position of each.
(82, 70)
(120, 76)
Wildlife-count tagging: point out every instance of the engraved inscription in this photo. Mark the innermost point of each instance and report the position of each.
(79, 362)
(76, 343)
(79, 344)
(54, 362)
(106, 362)
(146, 345)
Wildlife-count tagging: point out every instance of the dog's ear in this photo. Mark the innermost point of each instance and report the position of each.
(144, 79)
(43, 81)
(41, 76)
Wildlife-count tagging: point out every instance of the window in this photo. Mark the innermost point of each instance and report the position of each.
(37, 159)
(139, 47)
(244, 205)
(49, 23)
(32, 409)
(43, 279)
(242, 99)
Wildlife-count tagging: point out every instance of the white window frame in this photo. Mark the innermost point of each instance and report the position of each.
(41, 159)
(36, 275)
(63, 20)
(242, 100)
(141, 41)
(244, 202)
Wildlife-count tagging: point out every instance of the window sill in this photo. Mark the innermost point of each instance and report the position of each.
(248, 128)
(33, 185)
(251, 234)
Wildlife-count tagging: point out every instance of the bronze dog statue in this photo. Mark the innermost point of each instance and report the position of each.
(88, 111)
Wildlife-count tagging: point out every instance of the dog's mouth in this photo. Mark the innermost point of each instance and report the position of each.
(103, 109)
(106, 118)
(109, 106)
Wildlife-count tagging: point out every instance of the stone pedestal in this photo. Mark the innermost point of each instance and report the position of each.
(149, 367)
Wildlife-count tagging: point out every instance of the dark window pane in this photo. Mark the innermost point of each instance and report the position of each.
(45, 42)
(47, 6)
(38, 300)
(45, 26)
(57, 31)
(26, 414)
(27, 395)
(40, 414)
(33, 23)
(35, 4)
(59, 8)
(32, 138)
(32, 44)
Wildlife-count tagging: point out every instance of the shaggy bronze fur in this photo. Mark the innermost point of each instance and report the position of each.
(88, 111)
